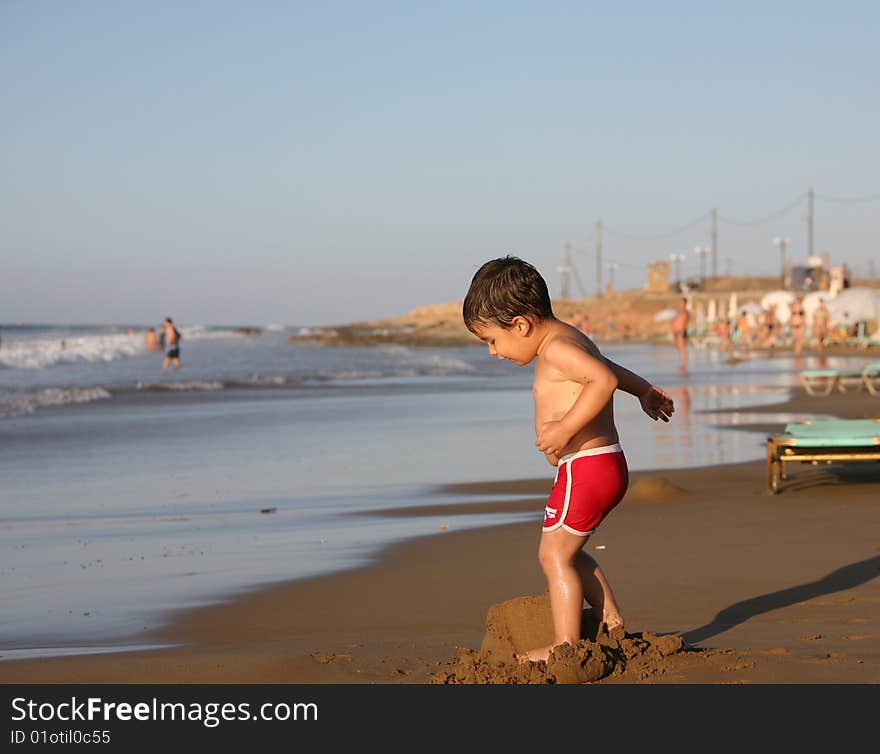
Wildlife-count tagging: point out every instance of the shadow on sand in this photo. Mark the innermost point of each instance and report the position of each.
(843, 578)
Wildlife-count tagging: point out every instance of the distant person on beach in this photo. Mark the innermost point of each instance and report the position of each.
(152, 341)
(821, 319)
(508, 307)
(769, 327)
(679, 333)
(797, 324)
(724, 334)
(581, 320)
(585, 327)
(172, 344)
(745, 332)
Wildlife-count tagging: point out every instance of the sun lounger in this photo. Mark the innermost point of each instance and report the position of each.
(820, 381)
(824, 381)
(826, 441)
(871, 378)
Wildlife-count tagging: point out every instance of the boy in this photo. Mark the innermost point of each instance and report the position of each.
(508, 307)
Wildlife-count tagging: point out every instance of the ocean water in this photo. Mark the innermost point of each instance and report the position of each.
(129, 491)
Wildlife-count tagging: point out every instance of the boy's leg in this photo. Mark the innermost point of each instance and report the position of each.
(557, 555)
(597, 591)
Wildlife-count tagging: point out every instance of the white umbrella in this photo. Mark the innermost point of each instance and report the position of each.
(664, 315)
(853, 305)
(750, 308)
(778, 300)
(700, 317)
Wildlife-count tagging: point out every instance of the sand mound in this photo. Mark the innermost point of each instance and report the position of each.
(654, 489)
(525, 622)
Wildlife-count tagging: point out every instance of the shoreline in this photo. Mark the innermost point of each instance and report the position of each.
(772, 588)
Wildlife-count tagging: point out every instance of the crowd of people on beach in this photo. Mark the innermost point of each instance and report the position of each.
(766, 330)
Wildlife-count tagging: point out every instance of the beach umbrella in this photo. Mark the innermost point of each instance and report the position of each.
(778, 301)
(665, 315)
(750, 308)
(700, 316)
(853, 305)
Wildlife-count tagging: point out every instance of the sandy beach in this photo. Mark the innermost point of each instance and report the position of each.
(760, 588)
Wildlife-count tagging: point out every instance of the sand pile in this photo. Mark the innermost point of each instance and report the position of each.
(654, 489)
(523, 623)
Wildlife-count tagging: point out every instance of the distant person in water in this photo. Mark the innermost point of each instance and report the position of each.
(172, 344)
(152, 341)
(679, 333)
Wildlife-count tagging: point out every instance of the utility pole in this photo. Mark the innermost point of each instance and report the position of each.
(566, 271)
(714, 243)
(599, 258)
(782, 244)
(611, 268)
(677, 259)
(701, 252)
(810, 222)
(569, 271)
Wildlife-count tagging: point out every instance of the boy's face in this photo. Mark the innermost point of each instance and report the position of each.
(511, 343)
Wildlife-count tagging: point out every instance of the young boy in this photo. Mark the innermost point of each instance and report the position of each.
(508, 307)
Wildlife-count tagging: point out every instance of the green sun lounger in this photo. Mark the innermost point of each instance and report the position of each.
(824, 381)
(827, 440)
(820, 381)
(871, 378)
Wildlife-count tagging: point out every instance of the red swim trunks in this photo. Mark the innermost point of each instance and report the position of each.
(588, 485)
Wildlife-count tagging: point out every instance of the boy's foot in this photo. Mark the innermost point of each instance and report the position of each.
(611, 620)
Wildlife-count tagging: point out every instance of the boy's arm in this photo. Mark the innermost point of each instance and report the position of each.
(599, 384)
(656, 403)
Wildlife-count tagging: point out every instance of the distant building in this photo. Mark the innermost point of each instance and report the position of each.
(658, 277)
(838, 280)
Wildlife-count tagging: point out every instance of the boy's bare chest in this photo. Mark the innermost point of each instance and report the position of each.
(553, 394)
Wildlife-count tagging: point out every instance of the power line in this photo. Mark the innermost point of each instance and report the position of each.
(744, 223)
(849, 200)
(762, 220)
(661, 236)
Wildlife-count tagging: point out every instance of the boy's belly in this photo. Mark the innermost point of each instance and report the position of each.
(598, 433)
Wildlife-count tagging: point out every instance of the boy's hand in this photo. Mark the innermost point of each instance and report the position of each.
(552, 438)
(657, 404)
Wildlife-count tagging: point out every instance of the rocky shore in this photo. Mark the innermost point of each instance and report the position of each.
(614, 317)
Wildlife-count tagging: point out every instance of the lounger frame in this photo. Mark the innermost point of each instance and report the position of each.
(805, 443)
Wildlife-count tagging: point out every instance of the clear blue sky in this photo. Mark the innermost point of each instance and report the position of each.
(323, 162)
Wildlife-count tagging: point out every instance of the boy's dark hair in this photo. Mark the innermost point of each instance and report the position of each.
(505, 288)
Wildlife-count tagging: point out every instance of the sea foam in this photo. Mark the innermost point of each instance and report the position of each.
(25, 403)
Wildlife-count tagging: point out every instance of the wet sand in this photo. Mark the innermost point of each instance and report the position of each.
(762, 588)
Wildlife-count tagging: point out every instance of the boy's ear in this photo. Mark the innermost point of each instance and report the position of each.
(522, 325)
